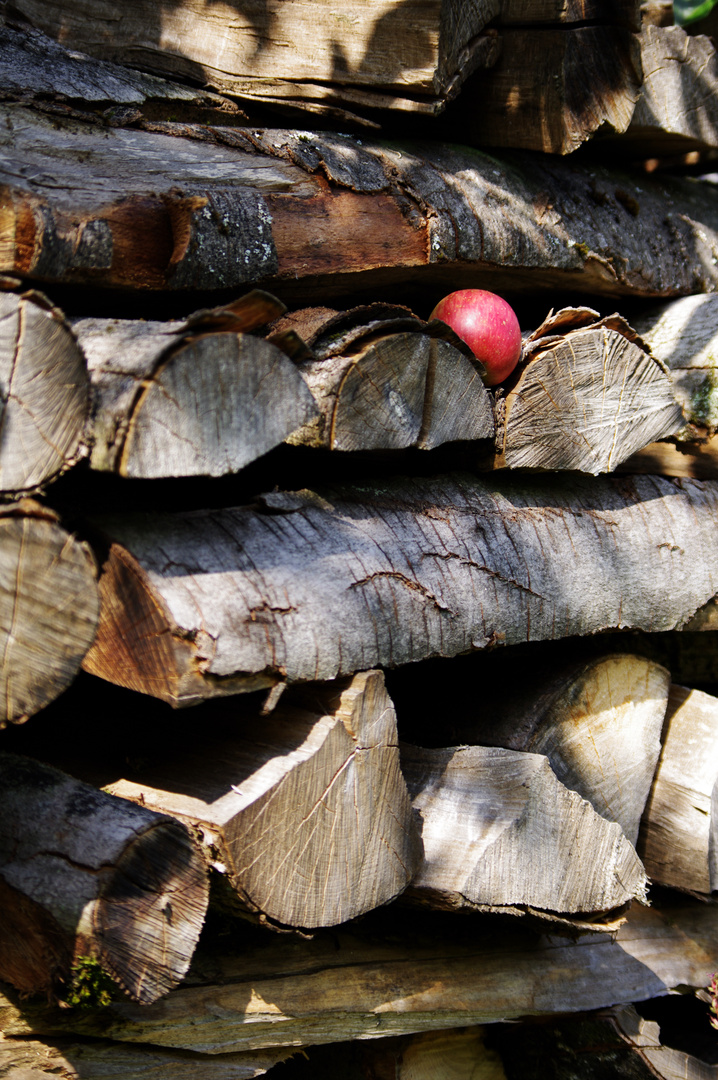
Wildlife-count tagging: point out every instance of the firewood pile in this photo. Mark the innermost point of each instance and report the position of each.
(357, 715)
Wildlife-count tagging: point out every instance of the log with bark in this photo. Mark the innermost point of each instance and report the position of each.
(201, 397)
(44, 392)
(305, 810)
(616, 1043)
(383, 379)
(598, 721)
(139, 210)
(587, 395)
(85, 877)
(340, 985)
(679, 832)
(315, 585)
(49, 608)
(501, 833)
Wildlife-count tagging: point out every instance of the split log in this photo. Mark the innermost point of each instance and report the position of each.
(679, 833)
(598, 721)
(551, 89)
(587, 396)
(96, 1059)
(408, 57)
(85, 875)
(305, 810)
(697, 460)
(385, 380)
(339, 986)
(44, 393)
(49, 608)
(187, 399)
(139, 210)
(676, 111)
(617, 1043)
(34, 67)
(684, 336)
(501, 833)
(311, 586)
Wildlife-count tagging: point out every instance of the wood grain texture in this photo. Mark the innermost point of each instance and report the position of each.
(325, 214)
(680, 823)
(340, 986)
(317, 585)
(170, 402)
(44, 393)
(85, 874)
(49, 608)
(305, 810)
(502, 833)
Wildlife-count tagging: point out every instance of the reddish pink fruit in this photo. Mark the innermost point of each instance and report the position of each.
(489, 327)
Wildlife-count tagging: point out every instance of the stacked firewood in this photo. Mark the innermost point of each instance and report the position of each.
(449, 756)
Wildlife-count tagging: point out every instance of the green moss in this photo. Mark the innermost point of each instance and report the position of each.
(91, 985)
(704, 403)
(583, 249)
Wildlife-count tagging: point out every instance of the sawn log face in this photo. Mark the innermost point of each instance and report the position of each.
(311, 585)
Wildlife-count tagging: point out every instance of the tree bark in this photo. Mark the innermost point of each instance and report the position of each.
(587, 396)
(309, 586)
(679, 833)
(385, 380)
(132, 209)
(86, 875)
(49, 608)
(305, 810)
(184, 400)
(501, 833)
(44, 393)
(598, 721)
(339, 986)
(551, 89)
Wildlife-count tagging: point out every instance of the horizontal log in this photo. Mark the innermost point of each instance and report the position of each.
(588, 395)
(87, 876)
(339, 986)
(187, 399)
(308, 585)
(96, 1059)
(385, 380)
(139, 210)
(501, 833)
(305, 810)
(598, 721)
(44, 392)
(697, 459)
(679, 832)
(49, 608)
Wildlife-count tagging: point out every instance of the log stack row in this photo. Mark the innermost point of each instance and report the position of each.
(407, 688)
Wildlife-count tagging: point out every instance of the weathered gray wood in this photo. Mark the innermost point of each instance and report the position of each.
(175, 400)
(139, 210)
(316, 585)
(32, 65)
(396, 56)
(616, 1043)
(390, 381)
(587, 396)
(551, 89)
(86, 875)
(502, 833)
(305, 810)
(677, 110)
(339, 986)
(684, 335)
(598, 721)
(49, 608)
(679, 832)
(44, 393)
(95, 1059)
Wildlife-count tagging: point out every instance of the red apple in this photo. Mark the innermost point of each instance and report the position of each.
(489, 327)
